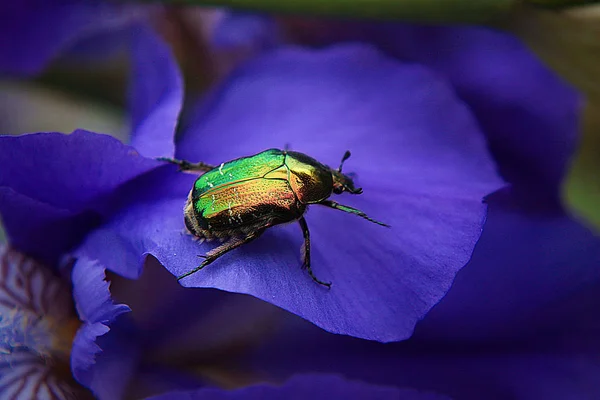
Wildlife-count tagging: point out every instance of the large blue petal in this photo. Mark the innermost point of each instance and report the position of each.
(313, 386)
(419, 157)
(156, 94)
(54, 187)
(529, 115)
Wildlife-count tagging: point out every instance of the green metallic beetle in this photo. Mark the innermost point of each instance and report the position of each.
(238, 200)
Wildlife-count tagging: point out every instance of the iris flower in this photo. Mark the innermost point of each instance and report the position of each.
(419, 152)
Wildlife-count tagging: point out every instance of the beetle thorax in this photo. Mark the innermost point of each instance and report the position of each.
(310, 180)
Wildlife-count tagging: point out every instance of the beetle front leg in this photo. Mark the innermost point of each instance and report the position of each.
(341, 207)
(186, 166)
(221, 250)
(306, 253)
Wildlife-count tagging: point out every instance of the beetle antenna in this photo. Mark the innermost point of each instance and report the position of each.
(346, 156)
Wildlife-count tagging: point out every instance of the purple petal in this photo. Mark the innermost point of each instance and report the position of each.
(54, 187)
(85, 349)
(312, 386)
(108, 371)
(96, 308)
(544, 366)
(35, 31)
(28, 223)
(92, 295)
(525, 265)
(529, 115)
(418, 155)
(156, 95)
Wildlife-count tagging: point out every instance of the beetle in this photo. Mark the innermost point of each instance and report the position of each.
(239, 199)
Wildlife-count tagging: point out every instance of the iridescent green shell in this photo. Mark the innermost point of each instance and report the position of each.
(265, 189)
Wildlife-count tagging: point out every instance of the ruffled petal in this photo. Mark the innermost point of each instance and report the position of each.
(54, 187)
(156, 94)
(114, 365)
(92, 295)
(91, 349)
(313, 386)
(417, 153)
(85, 349)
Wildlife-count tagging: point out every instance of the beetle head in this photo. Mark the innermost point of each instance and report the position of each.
(343, 182)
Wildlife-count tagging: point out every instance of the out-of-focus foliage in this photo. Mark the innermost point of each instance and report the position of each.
(458, 11)
(561, 3)
(569, 41)
(27, 107)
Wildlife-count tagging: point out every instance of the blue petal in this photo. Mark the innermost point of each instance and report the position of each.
(529, 115)
(547, 365)
(97, 310)
(28, 221)
(91, 293)
(419, 157)
(85, 349)
(34, 32)
(528, 262)
(313, 386)
(55, 187)
(114, 367)
(156, 95)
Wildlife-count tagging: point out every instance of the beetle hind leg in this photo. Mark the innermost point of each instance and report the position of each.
(220, 250)
(306, 253)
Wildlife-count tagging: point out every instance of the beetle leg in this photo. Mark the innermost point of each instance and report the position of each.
(218, 251)
(337, 206)
(187, 166)
(306, 253)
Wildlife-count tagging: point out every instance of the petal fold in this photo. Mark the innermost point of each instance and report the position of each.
(55, 187)
(156, 94)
